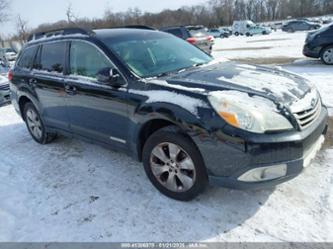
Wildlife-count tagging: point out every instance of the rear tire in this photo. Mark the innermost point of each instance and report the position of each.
(174, 165)
(327, 55)
(236, 34)
(36, 126)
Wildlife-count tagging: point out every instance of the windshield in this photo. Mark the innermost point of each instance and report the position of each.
(157, 54)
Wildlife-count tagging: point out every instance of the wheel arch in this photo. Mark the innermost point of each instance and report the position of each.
(23, 100)
(147, 129)
(325, 46)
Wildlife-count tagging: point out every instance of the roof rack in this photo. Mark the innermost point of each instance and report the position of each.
(65, 31)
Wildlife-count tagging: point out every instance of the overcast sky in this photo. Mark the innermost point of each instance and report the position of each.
(41, 11)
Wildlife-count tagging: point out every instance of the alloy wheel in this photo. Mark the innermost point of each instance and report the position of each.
(328, 56)
(34, 123)
(173, 167)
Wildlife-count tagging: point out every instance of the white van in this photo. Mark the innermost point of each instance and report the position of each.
(249, 28)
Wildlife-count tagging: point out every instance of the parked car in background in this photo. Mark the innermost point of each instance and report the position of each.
(191, 119)
(4, 90)
(300, 25)
(277, 25)
(249, 28)
(327, 20)
(227, 30)
(196, 35)
(10, 54)
(218, 33)
(319, 44)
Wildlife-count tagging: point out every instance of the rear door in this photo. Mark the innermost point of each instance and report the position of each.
(96, 110)
(48, 82)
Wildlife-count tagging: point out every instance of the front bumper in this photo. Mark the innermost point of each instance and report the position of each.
(311, 52)
(228, 158)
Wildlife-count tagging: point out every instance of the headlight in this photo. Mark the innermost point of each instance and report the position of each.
(255, 114)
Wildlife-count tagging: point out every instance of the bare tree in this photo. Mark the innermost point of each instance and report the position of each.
(22, 29)
(213, 13)
(4, 6)
(71, 17)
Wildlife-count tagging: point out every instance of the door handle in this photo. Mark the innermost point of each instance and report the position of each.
(70, 90)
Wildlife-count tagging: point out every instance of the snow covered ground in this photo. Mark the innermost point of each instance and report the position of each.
(277, 45)
(74, 191)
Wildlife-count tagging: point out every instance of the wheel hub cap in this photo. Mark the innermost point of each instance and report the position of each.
(34, 124)
(328, 56)
(173, 167)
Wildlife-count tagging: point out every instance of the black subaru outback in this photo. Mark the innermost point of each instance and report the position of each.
(191, 119)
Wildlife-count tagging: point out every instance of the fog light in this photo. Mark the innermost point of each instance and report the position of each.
(264, 173)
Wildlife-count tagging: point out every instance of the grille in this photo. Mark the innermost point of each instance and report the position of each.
(306, 118)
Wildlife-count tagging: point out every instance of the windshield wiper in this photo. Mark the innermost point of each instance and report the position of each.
(199, 64)
(179, 70)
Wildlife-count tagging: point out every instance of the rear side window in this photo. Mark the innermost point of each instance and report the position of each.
(176, 32)
(27, 57)
(52, 57)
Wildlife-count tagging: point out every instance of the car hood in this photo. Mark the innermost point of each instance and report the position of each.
(277, 85)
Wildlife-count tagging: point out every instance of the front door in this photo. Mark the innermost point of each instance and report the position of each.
(96, 110)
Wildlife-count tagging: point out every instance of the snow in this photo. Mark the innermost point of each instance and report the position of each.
(3, 80)
(74, 191)
(278, 44)
(53, 36)
(186, 102)
(320, 75)
(276, 48)
(242, 99)
(70, 190)
(267, 82)
(174, 86)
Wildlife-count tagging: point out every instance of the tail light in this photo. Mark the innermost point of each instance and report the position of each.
(191, 40)
(210, 38)
(10, 75)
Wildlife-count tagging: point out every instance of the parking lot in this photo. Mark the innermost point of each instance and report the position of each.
(74, 191)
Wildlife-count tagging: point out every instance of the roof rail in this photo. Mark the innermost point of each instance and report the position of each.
(65, 31)
(137, 27)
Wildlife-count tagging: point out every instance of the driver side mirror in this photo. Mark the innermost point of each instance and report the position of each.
(110, 76)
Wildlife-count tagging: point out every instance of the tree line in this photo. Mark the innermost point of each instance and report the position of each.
(213, 13)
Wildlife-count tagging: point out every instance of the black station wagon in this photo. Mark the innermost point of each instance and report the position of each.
(191, 119)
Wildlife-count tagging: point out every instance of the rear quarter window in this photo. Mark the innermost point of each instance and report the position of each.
(27, 57)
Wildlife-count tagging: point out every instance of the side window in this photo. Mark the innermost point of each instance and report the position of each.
(176, 32)
(27, 58)
(52, 57)
(86, 60)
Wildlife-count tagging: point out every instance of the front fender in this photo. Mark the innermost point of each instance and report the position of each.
(191, 123)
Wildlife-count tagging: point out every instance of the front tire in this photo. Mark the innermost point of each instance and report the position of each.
(327, 55)
(174, 165)
(35, 125)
